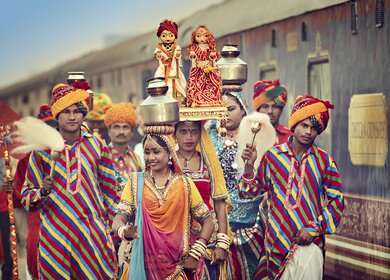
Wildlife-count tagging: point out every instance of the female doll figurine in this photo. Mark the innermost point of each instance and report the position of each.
(204, 87)
(168, 54)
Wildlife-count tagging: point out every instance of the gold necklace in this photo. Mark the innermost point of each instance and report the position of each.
(166, 183)
(186, 161)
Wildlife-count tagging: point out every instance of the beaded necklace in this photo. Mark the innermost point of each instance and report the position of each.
(300, 188)
(77, 189)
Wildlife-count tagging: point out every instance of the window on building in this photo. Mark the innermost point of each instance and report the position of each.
(267, 73)
(119, 77)
(319, 86)
(25, 99)
(99, 82)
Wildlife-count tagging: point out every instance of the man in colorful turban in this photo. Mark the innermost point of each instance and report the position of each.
(269, 98)
(300, 178)
(77, 200)
(95, 118)
(121, 120)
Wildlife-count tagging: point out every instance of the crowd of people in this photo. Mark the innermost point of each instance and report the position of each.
(185, 210)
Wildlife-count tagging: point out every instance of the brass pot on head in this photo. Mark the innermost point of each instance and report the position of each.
(158, 108)
(233, 69)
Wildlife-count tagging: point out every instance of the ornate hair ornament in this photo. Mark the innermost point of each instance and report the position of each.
(153, 143)
(188, 123)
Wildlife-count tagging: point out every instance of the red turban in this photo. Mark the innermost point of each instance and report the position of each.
(167, 25)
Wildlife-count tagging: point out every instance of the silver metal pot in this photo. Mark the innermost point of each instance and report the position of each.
(159, 108)
(233, 69)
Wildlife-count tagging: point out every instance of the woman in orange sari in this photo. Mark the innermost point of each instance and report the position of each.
(155, 211)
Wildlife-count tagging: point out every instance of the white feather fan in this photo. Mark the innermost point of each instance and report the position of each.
(263, 140)
(34, 134)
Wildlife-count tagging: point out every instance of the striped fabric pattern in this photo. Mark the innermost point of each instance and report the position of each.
(127, 163)
(321, 181)
(74, 240)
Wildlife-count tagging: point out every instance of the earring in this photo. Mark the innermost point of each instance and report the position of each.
(170, 161)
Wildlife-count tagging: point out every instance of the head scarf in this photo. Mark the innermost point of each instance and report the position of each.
(121, 113)
(240, 98)
(266, 91)
(313, 108)
(64, 96)
(100, 104)
(167, 25)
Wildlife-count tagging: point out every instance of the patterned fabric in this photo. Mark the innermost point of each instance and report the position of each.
(310, 107)
(204, 86)
(125, 163)
(244, 220)
(121, 113)
(74, 240)
(265, 91)
(165, 220)
(169, 67)
(64, 96)
(297, 190)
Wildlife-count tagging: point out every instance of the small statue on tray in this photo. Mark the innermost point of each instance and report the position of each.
(168, 54)
(204, 86)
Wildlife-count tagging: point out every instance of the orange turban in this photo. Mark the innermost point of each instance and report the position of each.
(121, 113)
(313, 108)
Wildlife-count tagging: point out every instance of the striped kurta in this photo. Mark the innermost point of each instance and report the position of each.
(74, 240)
(290, 209)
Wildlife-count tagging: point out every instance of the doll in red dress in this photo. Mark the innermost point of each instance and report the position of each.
(204, 86)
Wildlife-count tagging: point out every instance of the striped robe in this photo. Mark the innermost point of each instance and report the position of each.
(321, 181)
(74, 239)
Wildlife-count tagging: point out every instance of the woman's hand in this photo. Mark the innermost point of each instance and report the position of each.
(130, 231)
(219, 255)
(190, 264)
(249, 155)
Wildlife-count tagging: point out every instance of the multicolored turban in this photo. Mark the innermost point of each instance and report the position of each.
(121, 113)
(313, 108)
(101, 102)
(64, 96)
(167, 25)
(266, 91)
